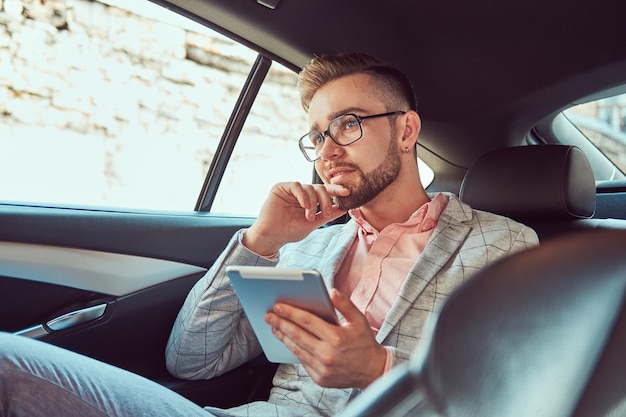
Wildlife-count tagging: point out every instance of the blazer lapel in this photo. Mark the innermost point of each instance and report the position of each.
(336, 252)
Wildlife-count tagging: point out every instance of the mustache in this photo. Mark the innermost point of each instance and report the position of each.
(341, 165)
(323, 171)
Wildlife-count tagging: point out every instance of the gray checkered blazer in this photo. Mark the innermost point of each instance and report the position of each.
(211, 334)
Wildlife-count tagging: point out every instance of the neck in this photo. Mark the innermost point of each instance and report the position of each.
(394, 207)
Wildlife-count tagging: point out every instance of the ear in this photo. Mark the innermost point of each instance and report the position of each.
(411, 125)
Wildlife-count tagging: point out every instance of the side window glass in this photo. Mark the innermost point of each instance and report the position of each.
(427, 175)
(117, 103)
(603, 122)
(267, 150)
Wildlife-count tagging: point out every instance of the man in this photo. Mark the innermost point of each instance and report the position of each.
(389, 268)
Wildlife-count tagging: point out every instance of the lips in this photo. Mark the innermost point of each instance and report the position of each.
(335, 175)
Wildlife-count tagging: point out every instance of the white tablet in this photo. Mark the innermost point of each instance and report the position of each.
(260, 287)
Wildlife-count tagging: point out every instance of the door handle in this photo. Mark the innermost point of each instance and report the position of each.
(65, 321)
(74, 318)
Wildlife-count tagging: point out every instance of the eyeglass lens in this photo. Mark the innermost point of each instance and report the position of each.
(344, 130)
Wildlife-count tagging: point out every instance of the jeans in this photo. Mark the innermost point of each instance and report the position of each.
(38, 379)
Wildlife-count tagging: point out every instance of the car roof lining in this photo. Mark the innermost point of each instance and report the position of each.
(484, 72)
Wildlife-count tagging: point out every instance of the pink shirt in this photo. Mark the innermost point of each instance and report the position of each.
(389, 253)
(392, 252)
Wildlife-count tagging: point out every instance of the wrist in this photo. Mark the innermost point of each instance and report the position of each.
(254, 242)
(380, 366)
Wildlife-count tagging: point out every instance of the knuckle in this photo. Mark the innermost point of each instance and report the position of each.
(328, 362)
(325, 377)
(335, 341)
(306, 321)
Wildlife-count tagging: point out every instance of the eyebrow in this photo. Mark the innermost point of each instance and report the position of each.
(334, 115)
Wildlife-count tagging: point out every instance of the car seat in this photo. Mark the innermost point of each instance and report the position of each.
(548, 187)
(541, 333)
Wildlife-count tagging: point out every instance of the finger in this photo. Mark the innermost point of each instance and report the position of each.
(311, 339)
(316, 197)
(325, 197)
(322, 198)
(299, 192)
(325, 204)
(336, 190)
(348, 310)
(306, 197)
(318, 327)
(312, 196)
(298, 340)
(334, 213)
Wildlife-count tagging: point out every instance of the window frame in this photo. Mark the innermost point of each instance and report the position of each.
(233, 128)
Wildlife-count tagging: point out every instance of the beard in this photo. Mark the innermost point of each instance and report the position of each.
(369, 185)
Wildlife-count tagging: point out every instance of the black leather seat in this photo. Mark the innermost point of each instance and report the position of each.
(548, 187)
(541, 333)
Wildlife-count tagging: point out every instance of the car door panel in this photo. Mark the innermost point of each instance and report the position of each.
(97, 271)
(111, 284)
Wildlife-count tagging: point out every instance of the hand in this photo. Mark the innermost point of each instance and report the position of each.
(335, 356)
(290, 213)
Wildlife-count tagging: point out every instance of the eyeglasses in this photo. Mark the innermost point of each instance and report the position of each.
(343, 130)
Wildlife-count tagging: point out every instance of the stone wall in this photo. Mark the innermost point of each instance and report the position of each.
(173, 62)
(80, 68)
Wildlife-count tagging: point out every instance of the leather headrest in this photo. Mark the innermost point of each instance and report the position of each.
(526, 182)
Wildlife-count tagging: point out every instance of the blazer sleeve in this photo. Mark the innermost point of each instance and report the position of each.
(211, 334)
(526, 238)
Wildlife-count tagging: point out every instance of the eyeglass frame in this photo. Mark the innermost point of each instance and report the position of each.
(325, 133)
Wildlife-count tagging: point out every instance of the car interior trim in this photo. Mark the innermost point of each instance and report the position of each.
(101, 272)
(33, 332)
(65, 321)
(76, 317)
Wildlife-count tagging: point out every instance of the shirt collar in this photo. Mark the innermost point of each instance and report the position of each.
(424, 218)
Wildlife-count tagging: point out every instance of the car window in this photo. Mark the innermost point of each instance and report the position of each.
(267, 149)
(122, 104)
(603, 122)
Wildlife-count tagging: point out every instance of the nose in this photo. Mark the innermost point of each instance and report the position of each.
(330, 149)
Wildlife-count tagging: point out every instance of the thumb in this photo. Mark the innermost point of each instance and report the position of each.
(348, 310)
(321, 219)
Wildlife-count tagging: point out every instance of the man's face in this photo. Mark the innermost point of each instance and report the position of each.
(367, 166)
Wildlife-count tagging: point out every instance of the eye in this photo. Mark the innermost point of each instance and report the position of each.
(316, 138)
(350, 123)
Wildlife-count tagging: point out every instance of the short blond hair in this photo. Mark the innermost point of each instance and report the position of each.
(392, 85)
